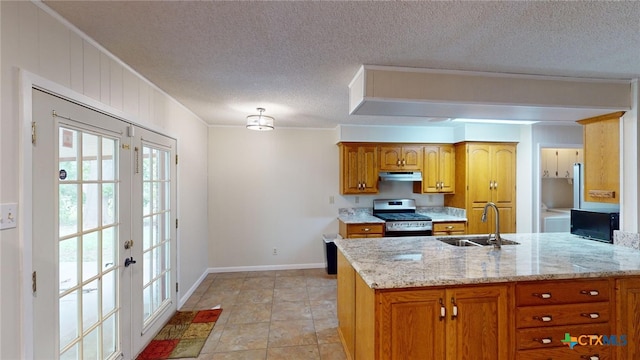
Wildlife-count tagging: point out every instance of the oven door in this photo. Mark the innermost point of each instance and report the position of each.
(408, 233)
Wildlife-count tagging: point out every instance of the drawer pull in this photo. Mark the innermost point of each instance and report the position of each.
(543, 340)
(366, 229)
(591, 315)
(590, 292)
(542, 296)
(545, 318)
(449, 227)
(590, 357)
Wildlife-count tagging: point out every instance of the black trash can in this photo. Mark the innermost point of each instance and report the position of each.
(331, 253)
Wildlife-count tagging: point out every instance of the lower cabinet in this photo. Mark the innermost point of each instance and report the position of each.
(360, 230)
(517, 320)
(458, 323)
(628, 317)
(449, 228)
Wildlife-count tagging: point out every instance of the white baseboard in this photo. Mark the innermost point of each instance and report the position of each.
(265, 268)
(192, 289)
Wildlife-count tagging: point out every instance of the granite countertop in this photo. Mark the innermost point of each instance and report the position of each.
(437, 214)
(405, 262)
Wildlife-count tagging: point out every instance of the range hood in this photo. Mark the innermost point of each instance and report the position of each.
(400, 176)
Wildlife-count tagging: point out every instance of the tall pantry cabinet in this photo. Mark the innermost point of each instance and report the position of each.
(485, 172)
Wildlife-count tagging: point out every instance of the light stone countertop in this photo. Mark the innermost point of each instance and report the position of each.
(406, 262)
(437, 214)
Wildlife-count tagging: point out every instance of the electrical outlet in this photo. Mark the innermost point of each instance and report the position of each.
(275, 251)
(331, 200)
(357, 199)
(8, 216)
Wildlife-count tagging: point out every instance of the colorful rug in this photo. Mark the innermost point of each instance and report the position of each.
(183, 336)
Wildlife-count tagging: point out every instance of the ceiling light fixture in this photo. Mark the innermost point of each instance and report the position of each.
(495, 121)
(260, 122)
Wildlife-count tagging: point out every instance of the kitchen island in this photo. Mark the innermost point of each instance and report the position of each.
(420, 298)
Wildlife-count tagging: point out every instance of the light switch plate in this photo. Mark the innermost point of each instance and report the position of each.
(8, 216)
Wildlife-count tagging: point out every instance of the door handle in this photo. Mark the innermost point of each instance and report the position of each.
(129, 261)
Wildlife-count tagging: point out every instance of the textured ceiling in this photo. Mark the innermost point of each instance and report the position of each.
(224, 59)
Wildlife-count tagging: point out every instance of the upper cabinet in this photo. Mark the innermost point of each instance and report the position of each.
(438, 170)
(602, 158)
(400, 157)
(358, 168)
(558, 163)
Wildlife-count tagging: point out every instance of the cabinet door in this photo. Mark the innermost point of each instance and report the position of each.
(628, 316)
(507, 221)
(390, 157)
(447, 168)
(480, 329)
(411, 158)
(602, 159)
(504, 174)
(411, 325)
(369, 168)
(479, 174)
(430, 175)
(548, 162)
(350, 170)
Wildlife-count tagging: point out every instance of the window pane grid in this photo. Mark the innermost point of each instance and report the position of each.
(88, 226)
(156, 207)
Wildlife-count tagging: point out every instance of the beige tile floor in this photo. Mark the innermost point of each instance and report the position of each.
(271, 315)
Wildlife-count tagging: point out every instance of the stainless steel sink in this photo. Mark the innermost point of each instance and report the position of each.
(474, 240)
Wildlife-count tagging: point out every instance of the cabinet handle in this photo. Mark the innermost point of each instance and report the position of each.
(366, 229)
(398, 162)
(450, 227)
(495, 184)
(591, 315)
(490, 185)
(404, 162)
(542, 296)
(590, 292)
(590, 357)
(543, 340)
(454, 309)
(443, 310)
(544, 318)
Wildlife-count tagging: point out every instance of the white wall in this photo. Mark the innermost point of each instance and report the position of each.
(271, 190)
(34, 40)
(630, 165)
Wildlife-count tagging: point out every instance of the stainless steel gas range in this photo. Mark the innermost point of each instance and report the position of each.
(401, 218)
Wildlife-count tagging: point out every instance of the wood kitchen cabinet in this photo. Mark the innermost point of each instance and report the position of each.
(628, 317)
(360, 230)
(485, 172)
(358, 168)
(602, 158)
(547, 310)
(438, 170)
(456, 323)
(449, 228)
(395, 157)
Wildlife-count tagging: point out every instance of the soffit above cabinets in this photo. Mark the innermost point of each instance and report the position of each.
(395, 91)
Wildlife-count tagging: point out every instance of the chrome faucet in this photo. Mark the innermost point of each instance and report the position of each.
(498, 240)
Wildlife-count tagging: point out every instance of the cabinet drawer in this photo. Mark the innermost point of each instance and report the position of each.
(562, 292)
(449, 227)
(365, 228)
(549, 337)
(564, 353)
(554, 315)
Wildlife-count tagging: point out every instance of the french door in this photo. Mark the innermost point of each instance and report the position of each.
(104, 250)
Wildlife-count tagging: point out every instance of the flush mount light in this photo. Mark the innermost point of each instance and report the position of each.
(495, 121)
(260, 122)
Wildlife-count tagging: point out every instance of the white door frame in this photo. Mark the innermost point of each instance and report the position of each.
(27, 81)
